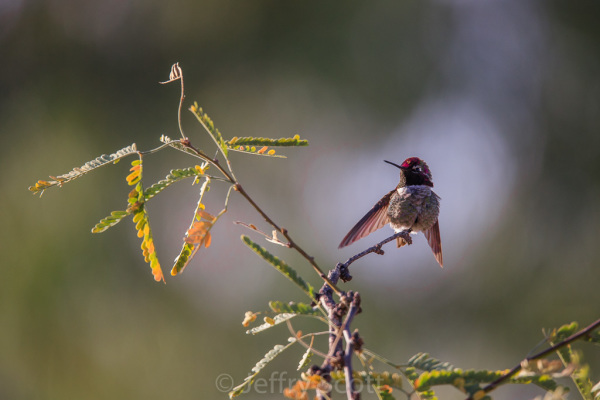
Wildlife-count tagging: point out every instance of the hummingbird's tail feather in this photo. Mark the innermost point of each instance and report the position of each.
(435, 242)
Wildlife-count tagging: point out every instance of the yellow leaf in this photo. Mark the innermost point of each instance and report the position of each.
(133, 177)
(271, 152)
(269, 320)
(459, 383)
(137, 217)
(150, 246)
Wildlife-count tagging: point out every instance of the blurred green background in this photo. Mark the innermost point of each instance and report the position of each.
(502, 99)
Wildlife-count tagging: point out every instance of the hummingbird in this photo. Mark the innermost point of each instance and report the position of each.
(411, 206)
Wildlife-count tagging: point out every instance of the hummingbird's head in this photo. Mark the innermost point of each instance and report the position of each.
(414, 171)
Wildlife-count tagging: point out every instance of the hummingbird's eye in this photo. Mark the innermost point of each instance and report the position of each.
(417, 168)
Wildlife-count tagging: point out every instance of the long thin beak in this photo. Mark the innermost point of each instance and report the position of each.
(394, 164)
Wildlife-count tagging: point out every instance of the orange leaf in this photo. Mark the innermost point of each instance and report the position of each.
(158, 275)
(150, 246)
(206, 216)
(196, 233)
(262, 150)
(207, 240)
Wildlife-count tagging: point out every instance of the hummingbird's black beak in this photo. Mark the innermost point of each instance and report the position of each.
(394, 164)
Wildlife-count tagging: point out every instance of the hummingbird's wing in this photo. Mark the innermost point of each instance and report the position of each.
(435, 241)
(376, 218)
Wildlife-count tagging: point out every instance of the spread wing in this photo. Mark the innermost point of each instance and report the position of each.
(435, 241)
(376, 218)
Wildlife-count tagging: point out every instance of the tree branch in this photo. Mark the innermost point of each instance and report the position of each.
(351, 344)
(238, 187)
(405, 234)
(585, 331)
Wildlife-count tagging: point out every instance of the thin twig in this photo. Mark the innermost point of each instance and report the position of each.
(291, 242)
(299, 339)
(585, 331)
(177, 73)
(268, 238)
(405, 234)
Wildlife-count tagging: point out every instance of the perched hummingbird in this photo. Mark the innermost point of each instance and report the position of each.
(412, 205)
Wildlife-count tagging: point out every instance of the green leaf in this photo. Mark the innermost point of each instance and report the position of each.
(372, 378)
(296, 308)
(100, 161)
(185, 255)
(305, 360)
(424, 362)
(264, 151)
(544, 381)
(280, 265)
(564, 332)
(175, 175)
(259, 141)
(568, 356)
(278, 349)
(209, 126)
(260, 146)
(278, 319)
(114, 218)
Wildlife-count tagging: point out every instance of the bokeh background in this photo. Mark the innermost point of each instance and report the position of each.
(501, 98)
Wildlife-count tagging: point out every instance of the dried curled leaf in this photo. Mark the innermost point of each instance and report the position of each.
(278, 349)
(100, 161)
(270, 322)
